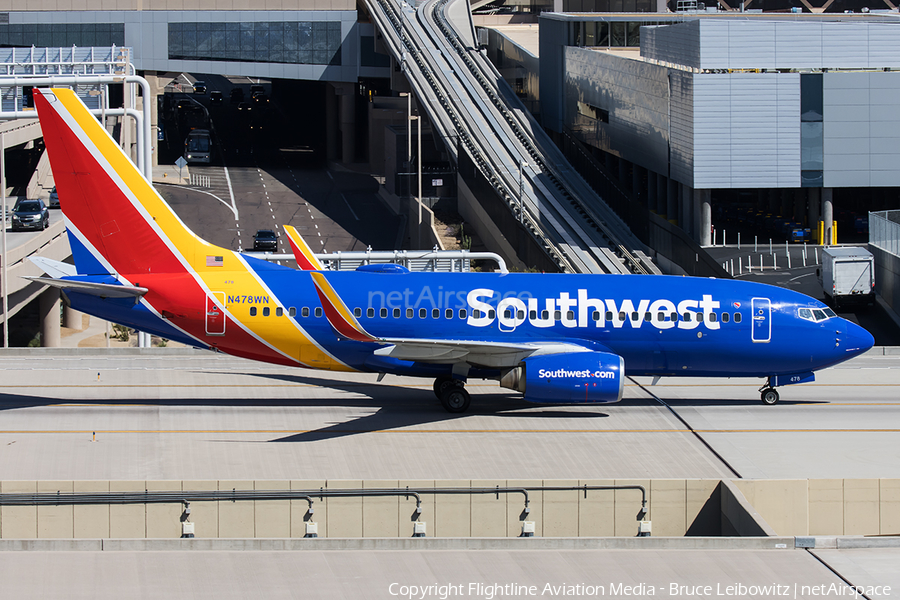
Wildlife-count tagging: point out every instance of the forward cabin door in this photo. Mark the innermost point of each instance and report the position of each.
(762, 320)
(215, 313)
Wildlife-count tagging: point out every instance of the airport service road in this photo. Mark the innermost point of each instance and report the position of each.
(845, 425)
(385, 574)
(334, 211)
(180, 414)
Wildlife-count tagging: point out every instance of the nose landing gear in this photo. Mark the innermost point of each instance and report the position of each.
(452, 394)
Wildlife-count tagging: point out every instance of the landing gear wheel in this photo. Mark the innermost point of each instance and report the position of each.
(455, 399)
(769, 396)
(442, 383)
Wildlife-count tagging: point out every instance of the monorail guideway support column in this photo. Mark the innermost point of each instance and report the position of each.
(703, 216)
(48, 306)
(827, 215)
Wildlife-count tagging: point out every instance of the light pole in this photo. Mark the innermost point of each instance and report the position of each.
(5, 257)
(419, 119)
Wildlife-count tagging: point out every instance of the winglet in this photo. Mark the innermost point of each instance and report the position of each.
(306, 260)
(337, 313)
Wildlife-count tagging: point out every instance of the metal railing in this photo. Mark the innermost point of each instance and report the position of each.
(884, 230)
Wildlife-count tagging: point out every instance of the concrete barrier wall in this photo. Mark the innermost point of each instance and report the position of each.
(826, 506)
(675, 507)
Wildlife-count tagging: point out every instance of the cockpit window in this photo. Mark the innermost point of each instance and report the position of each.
(815, 314)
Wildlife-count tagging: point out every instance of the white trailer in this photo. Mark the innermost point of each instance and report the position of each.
(847, 276)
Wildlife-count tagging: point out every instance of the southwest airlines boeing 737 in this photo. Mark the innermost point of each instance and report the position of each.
(555, 338)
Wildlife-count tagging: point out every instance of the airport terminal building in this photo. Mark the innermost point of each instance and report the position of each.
(776, 114)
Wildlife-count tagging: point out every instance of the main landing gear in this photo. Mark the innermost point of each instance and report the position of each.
(768, 394)
(453, 396)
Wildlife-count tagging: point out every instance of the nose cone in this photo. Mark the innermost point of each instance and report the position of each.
(856, 340)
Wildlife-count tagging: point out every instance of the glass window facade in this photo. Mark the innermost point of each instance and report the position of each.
(812, 134)
(298, 42)
(56, 35)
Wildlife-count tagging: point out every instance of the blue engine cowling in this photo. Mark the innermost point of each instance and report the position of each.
(571, 377)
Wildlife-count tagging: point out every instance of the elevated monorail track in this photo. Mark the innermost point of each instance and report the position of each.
(473, 110)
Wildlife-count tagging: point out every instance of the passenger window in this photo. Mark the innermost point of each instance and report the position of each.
(279, 312)
(462, 313)
(409, 313)
(435, 313)
(491, 314)
(557, 315)
(448, 314)
(648, 317)
(686, 317)
(737, 317)
(635, 316)
(661, 317)
(609, 315)
(292, 311)
(304, 311)
(382, 313)
(622, 316)
(725, 317)
(423, 312)
(532, 314)
(370, 312)
(265, 311)
(700, 317)
(570, 314)
(545, 314)
(396, 313)
(596, 315)
(252, 311)
(674, 316)
(318, 311)
(357, 312)
(520, 315)
(713, 317)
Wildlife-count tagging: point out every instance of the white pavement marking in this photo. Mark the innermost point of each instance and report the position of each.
(352, 212)
(231, 193)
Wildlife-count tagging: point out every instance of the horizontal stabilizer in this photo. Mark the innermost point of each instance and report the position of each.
(103, 290)
(54, 268)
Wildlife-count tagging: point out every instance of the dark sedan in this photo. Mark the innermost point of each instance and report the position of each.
(265, 240)
(30, 214)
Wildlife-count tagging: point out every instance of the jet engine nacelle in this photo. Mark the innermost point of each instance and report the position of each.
(571, 377)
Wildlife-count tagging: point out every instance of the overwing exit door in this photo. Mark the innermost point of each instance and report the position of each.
(762, 319)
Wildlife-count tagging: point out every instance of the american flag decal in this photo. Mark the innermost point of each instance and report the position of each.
(214, 261)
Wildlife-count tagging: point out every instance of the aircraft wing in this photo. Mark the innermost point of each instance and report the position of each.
(486, 354)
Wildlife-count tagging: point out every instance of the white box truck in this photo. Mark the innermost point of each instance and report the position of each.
(847, 276)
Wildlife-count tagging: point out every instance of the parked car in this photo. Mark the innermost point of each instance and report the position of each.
(199, 87)
(54, 199)
(215, 97)
(30, 214)
(265, 240)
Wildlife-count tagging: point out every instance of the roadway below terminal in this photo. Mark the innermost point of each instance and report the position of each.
(193, 415)
(267, 171)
